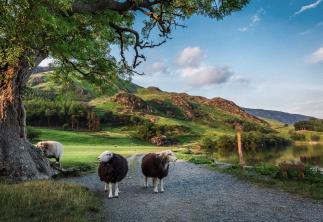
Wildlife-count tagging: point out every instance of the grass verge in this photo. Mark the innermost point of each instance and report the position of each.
(47, 201)
(267, 175)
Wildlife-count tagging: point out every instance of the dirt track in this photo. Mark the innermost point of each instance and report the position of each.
(194, 193)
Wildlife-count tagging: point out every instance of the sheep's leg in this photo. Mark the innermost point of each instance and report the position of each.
(116, 190)
(105, 187)
(57, 160)
(145, 182)
(162, 185)
(110, 190)
(155, 183)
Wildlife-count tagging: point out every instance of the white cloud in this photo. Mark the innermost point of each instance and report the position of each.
(317, 56)
(320, 24)
(308, 7)
(206, 75)
(190, 56)
(159, 67)
(254, 20)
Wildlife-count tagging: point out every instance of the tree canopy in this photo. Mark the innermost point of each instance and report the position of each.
(79, 34)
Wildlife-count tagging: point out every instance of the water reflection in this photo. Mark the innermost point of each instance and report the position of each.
(312, 154)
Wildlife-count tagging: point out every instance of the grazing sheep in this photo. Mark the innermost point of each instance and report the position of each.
(156, 165)
(112, 169)
(51, 149)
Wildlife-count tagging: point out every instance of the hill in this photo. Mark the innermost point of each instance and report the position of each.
(277, 115)
(70, 105)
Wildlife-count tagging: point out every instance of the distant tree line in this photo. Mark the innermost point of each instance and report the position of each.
(312, 124)
(66, 114)
(251, 141)
(249, 126)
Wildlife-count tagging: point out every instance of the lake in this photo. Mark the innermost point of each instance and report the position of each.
(311, 154)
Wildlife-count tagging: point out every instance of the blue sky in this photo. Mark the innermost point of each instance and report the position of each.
(269, 55)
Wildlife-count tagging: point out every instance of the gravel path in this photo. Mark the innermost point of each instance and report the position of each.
(194, 193)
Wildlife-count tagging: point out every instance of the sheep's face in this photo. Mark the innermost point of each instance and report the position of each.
(168, 155)
(105, 156)
(43, 146)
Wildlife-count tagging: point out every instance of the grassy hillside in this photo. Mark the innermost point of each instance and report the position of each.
(121, 102)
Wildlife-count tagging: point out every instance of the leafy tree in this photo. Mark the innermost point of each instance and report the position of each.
(315, 137)
(78, 35)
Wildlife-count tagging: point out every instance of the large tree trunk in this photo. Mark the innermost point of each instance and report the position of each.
(19, 160)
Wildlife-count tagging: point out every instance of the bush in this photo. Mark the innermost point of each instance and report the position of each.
(297, 136)
(312, 124)
(253, 141)
(249, 126)
(148, 130)
(315, 137)
(42, 112)
(208, 145)
(33, 134)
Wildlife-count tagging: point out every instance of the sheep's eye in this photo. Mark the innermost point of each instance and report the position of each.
(169, 154)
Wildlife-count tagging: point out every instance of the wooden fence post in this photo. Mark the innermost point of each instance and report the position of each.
(238, 128)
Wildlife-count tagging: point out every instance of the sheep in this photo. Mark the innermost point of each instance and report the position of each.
(156, 165)
(112, 169)
(51, 149)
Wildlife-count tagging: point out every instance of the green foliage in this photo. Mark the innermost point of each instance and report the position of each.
(312, 124)
(33, 134)
(208, 144)
(42, 112)
(110, 118)
(252, 142)
(249, 126)
(80, 40)
(315, 137)
(148, 130)
(297, 136)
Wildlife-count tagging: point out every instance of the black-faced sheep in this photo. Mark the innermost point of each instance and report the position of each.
(112, 169)
(51, 149)
(156, 165)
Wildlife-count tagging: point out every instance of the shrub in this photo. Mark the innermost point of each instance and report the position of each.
(249, 126)
(315, 137)
(208, 145)
(312, 124)
(253, 141)
(33, 134)
(297, 136)
(148, 130)
(43, 112)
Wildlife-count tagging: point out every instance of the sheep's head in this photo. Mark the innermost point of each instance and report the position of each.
(105, 156)
(168, 155)
(43, 146)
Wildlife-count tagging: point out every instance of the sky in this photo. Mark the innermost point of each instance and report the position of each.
(268, 55)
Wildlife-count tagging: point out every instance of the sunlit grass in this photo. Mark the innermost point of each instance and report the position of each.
(47, 201)
(82, 148)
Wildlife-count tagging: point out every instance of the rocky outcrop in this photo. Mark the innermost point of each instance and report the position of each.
(161, 141)
(231, 107)
(187, 108)
(133, 102)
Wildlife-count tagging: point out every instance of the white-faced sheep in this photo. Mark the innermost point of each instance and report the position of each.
(51, 149)
(112, 169)
(156, 165)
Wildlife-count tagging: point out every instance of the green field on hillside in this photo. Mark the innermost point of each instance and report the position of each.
(83, 148)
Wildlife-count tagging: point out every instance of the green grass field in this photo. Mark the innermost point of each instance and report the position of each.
(81, 149)
(55, 201)
(47, 201)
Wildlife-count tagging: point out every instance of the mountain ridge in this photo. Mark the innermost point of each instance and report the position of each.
(284, 117)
